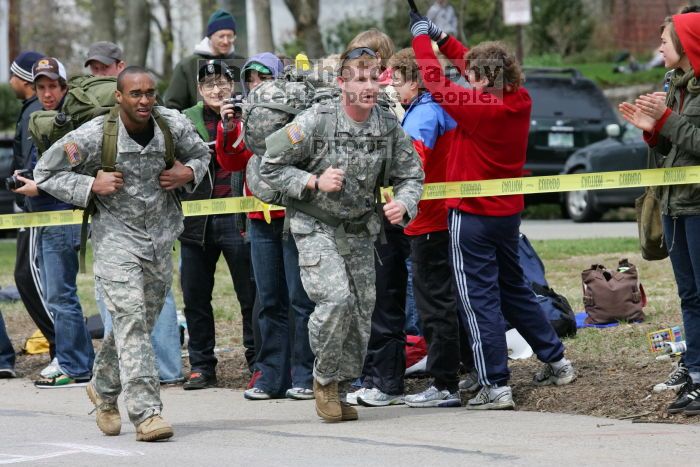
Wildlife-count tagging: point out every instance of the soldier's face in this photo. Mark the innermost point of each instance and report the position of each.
(49, 92)
(137, 98)
(360, 85)
(222, 41)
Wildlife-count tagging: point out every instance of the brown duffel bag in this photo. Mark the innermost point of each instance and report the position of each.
(610, 296)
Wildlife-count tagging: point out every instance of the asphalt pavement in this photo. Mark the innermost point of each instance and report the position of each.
(219, 427)
(568, 229)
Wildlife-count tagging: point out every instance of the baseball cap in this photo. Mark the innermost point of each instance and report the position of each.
(259, 67)
(214, 67)
(105, 53)
(49, 67)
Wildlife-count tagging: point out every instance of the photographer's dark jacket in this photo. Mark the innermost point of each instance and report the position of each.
(195, 226)
(675, 141)
(22, 146)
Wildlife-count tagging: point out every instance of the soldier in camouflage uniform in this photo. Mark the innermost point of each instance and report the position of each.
(335, 223)
(137, 219)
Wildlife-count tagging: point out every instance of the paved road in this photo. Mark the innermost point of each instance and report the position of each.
(219, 427)
(567, 229)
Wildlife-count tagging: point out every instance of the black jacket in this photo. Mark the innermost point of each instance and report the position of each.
(195, 226)
(22, 146)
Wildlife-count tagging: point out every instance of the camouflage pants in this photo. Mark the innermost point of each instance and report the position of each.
(344, 292)
(134, 290)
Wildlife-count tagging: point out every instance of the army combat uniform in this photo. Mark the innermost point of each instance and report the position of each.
(337, 264)
(133, 231)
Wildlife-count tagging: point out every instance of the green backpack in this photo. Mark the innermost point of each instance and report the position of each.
(88, 97)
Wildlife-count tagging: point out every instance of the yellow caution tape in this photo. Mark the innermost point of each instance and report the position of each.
(496, 187)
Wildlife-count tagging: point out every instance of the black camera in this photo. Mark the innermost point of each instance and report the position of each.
(237, 100)
(12, 183)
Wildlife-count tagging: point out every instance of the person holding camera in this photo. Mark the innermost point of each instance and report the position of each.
(283, 363)
(58, 253)
(27, 274)
(218, 44)
(206, 238)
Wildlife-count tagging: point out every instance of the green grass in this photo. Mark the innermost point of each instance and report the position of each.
(564, 260)
(600, 72)
(224, 303)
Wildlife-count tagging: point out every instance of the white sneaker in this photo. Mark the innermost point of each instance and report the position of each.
(351, 397)
(548, 375)
(434, 397)
(52, 370)
(300, 394)
(470, 384)
(492, 398)
(376, 398)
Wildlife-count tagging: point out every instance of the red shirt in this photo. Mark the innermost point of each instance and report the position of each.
(236, 159)
(490, 141)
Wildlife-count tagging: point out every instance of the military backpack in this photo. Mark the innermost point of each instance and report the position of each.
(275, 103)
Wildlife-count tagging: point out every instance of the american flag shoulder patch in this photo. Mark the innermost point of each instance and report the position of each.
(71, 150)
(294, 133)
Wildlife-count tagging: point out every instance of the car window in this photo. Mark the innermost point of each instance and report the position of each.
(562, 98)
(632, 134)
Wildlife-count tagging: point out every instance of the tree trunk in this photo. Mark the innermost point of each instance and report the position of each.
(138, 32)
(166, 37)
(305, 13)
(14, 29)
(264, 41)
(103, 26)
(206, 8)
(238, 9)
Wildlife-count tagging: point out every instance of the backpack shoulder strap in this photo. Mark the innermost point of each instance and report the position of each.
(108, 162)
(168, 137)
(109, 139)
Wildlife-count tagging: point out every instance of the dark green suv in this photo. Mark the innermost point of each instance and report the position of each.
(569, 112)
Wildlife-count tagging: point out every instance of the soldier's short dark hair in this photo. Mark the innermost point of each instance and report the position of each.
(130, 70)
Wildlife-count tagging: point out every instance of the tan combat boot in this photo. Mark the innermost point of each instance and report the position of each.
(327, 401)
(108, 418)
(349, 413)
(153, 429)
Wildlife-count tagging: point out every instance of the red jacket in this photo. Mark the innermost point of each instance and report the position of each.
(431, 131)
(491, 137)
(236, 159)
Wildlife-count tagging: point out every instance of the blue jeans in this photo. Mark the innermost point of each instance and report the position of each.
(7, 352)
(282, 300)
(412, 326)
(682, 236)
(58, 259)
(165, 338)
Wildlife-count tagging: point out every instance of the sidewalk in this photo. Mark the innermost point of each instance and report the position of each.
(219, 427)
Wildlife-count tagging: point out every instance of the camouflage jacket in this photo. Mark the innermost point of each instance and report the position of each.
(303, 148)
(141, 217)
